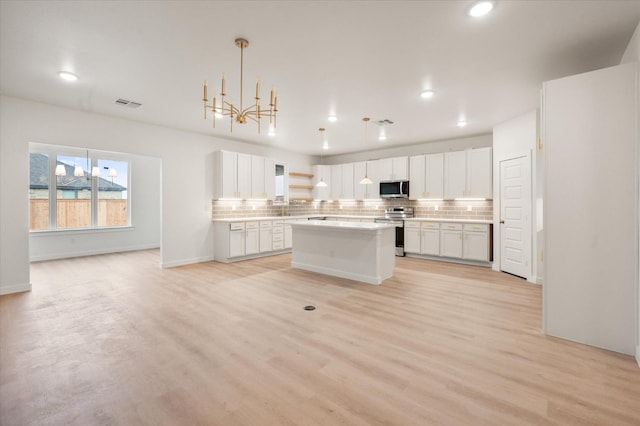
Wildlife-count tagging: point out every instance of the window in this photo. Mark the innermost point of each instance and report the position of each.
(72, 188)
(279, 182)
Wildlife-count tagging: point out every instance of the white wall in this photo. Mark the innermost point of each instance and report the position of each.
(591, 223)
(512, 139)
(144, 232)
(632, 54)
(457, 144)
(187, 176)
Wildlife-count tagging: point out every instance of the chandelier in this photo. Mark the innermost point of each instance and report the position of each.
(222, 107)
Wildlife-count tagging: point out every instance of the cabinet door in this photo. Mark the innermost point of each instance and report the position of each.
(236, 243)
(359, 170)
(269, 179)
(451, 243)
(430, 242)
(265, 240)
(373, 171)
(257, 177)
(386, 169)
(226, 172)
(288, 236)
(251, 243)
(434, 176)
(336, 181)
(400, 168)
(348, 181)
(243, 176)
(479, 173)
(417, 172)
(412, 240)
(321, 192)
(454, 174)
(476, 246)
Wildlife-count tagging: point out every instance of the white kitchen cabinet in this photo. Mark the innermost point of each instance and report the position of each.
(372, 192)
(288, 235)
(396, 168)
(430, 238)
(324, 173)
(336, 182)
(244, 176)
(257, 177)
(411, 237)
(226, 174)
(468, 174)
(236, 239)
(451, 240)
(347, 181)
(252, 238)
(426, 176)
(266, 242)
(479, 173)
(455, 174)
(269, 179)
(476, 242)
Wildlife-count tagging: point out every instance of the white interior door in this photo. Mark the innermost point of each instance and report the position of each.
(515, 216)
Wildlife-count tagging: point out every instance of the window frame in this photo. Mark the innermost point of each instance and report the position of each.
(53, 151)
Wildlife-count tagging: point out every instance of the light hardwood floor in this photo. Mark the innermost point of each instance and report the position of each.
(114, 339)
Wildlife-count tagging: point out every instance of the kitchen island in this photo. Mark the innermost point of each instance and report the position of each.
(355, 250)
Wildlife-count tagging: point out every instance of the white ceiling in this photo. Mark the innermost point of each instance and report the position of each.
(354, 58)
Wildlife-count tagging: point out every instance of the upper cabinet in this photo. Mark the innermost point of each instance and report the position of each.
(468, 174)
(426, 176)
(396, 168)
(243, 176)
(366, 191)
(342, 186)
(321, 173)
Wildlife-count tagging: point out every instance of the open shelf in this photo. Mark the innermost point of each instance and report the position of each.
(301, 186)
(298, 174)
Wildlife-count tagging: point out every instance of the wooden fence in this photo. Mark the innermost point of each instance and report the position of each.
(77, 213)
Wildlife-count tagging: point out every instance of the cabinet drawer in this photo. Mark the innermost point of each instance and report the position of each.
(430, 225)
(451, 226)
(236, 226)
(278, 223)
(265, 224)
(478, 227)
(277, 229)
(251, 225)
(411, 224)
(278, 245)
(277, 237)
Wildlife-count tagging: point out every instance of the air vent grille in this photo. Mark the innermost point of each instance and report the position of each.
(383, 122)
(130, 104)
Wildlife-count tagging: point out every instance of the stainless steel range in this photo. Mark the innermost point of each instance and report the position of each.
(396, 216)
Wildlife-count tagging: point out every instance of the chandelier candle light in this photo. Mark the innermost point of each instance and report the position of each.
(254, 112)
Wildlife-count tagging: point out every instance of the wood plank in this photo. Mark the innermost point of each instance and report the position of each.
(115, 339)
(301, 186)
(300, 199)
(300, 174)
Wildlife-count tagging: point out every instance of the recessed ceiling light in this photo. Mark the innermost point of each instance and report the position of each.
(462, 123)
(426, 94)
(481, 8)
(325, 146)
(382, 137)
(67, 76)
(332, 118)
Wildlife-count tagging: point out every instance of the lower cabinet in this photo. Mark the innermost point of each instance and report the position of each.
(451, 240)
(236, 239)
(266, 241)
(467, 241)
(252, 238)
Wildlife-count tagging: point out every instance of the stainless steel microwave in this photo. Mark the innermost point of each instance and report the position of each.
(394, 189)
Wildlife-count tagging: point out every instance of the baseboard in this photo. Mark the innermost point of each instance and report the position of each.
(451, 260)
(55, 256)
(183, 262)
(16, 288)
(638, 355)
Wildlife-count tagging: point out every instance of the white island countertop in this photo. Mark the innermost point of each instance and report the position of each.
(328, 224)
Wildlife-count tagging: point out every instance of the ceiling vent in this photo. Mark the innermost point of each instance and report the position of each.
(130, 104)
(383, 122)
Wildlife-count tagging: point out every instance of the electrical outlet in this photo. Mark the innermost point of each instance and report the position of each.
(469, 208)
(437, 208)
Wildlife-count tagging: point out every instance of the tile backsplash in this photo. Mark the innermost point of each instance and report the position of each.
(482, 210)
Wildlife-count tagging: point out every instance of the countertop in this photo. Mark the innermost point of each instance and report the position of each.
(335, 224)
(304, 217)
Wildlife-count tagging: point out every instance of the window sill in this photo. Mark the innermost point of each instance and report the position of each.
(76, 231)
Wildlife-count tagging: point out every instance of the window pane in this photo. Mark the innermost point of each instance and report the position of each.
(112, 193)
(38, 191)
(73, 192)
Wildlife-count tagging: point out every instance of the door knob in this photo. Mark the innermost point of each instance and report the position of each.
(502, 221)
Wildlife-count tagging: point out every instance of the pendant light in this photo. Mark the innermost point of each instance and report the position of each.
(365, 180)
(322, 183)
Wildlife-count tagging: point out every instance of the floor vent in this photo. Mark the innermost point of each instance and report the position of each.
(309, 308)
(130, 104)
(383, 122)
